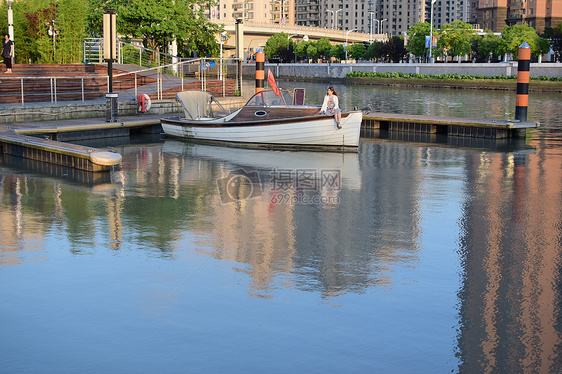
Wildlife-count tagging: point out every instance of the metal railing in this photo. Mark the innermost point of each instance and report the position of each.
(93, 52)
(154, 81)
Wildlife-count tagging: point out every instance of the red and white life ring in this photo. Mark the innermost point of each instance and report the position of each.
(144, 102)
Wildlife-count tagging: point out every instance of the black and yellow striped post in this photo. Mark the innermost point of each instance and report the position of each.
(523, 76)
(260, 72)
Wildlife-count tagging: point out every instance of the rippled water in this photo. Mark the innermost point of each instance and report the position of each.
(405, 257)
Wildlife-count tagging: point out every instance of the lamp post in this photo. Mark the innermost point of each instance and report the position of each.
(380, 24)
(346, 34)
(371, 14)
(431, 31)
(289, 38)
(222, 40)
(336, 17)
(52, 31)
(11, 23)
(331, 11)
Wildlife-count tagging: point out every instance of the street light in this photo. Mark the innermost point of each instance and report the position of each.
(431, 31)
(52, 31)
(11, 23)
(331, 11)
(336, 17)
(371, 14)
(222, 40)
(289, 38)
(346, 34)
(380, 25)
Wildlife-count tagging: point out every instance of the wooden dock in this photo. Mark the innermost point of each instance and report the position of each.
(49, 142)
(450, 126)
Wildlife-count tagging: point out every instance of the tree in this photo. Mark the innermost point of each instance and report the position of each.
(455, 38)
(394, 49)
(312, 51)
(96, 9)
(356, 50)
(516, 35)
(374, 51)
(487, 47)
(337, 51)
(301, 48)
(159, 22)
(416, 38)
(556, 41)
(72, 23)
(324, 47)
(278, 45)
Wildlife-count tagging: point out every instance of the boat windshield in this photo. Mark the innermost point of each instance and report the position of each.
(269, 98)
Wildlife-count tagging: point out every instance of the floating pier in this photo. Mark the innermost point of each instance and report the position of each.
(46, 144)
(450, 126)
(50, 142)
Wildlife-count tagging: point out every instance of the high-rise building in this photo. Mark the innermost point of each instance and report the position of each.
(394, 17)
(496, 14)
(447, 11)
(307, 13)
(258, 11)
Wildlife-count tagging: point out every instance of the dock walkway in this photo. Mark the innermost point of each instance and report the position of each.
(17, 139)
(50, 141)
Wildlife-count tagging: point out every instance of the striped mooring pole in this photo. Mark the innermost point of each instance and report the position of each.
(260, 72)
(523, 67)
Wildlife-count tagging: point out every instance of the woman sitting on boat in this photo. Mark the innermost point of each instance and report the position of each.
(330, 107)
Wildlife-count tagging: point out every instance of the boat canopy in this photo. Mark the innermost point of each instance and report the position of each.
(198, 104)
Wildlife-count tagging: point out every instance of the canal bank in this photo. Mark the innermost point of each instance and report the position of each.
(340, 70)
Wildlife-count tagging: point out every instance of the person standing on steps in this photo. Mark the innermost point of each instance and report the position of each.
(8, 52)
(330, 107)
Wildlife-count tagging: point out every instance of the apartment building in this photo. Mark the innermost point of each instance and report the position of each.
(496, 14)
(257, 11)
(307, 13)
(448, 11)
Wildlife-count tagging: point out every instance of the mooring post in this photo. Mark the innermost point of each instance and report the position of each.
(260, 72)
(523, 67)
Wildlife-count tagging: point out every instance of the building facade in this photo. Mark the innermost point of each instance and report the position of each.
(448, 11)
(496, 14)
(257, 11)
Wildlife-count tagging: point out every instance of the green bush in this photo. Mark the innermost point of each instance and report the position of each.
(360, 74)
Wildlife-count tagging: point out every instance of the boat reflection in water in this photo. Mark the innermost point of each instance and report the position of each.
(258, 194)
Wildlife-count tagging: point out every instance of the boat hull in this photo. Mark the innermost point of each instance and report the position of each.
(311, 132)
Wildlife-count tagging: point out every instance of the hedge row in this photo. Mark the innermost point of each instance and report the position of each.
(361, 74)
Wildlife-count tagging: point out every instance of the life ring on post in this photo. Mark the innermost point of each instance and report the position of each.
(144, 102)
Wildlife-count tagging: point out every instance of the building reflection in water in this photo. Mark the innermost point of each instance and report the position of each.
(349, 241)
(510, 297)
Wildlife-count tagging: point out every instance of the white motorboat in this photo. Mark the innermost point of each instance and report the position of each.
(266, 120)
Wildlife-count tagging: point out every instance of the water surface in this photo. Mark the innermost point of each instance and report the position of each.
(408, 256)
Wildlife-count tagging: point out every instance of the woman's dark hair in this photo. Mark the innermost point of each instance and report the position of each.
(333, 90)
